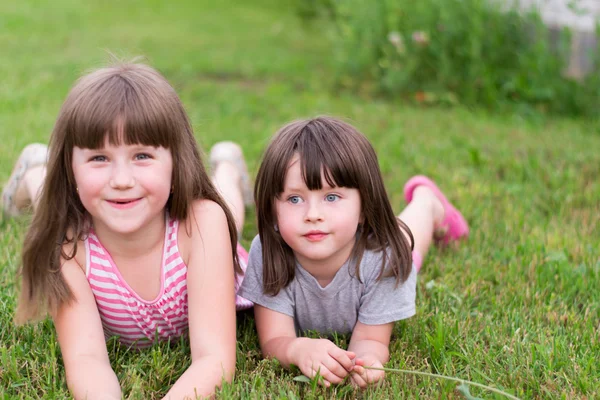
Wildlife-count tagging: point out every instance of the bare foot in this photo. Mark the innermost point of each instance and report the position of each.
(437, 208)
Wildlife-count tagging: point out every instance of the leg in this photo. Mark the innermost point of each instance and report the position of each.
(230, 176)
(430, 216)
(423, 215)
(226, 178)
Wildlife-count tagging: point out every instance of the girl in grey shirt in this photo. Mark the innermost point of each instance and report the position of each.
(331, 256)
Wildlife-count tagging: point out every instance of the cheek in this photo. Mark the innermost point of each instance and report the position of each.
(89, 185)
(89, 193)
(288, 233)
(167, 179)
(164, 190)
(285, 220)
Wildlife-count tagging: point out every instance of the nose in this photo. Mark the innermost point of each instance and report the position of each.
(122, 176)
(313, 212)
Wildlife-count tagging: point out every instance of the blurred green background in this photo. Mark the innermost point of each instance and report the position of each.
(516, 307)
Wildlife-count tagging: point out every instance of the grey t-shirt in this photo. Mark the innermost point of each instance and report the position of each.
(337, 306)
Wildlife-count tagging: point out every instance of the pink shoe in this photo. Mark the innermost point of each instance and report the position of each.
(454, 223)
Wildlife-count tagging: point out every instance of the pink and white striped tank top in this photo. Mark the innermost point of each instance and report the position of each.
(136, 321)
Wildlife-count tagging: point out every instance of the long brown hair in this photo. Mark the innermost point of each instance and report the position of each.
(347, 159)
(126, 102)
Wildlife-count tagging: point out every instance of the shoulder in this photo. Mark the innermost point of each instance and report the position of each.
(206, 221)
(255, 256)
(79, 258)
(203, 216)
(256, 243)
(370, 265)
(208, 211)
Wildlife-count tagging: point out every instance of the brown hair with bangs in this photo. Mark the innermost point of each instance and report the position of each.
(347, 159)
(127, 103)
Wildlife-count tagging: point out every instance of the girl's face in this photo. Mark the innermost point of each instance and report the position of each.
(124, 188)
(319, 225)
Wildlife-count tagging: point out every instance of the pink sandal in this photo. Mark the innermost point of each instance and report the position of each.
(455, 224)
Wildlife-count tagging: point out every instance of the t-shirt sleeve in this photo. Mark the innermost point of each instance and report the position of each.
(252, 286)
(382, 302)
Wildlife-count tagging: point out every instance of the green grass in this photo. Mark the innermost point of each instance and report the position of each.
(517, 307)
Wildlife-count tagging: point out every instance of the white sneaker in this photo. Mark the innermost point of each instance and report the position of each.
(33, 155)
(232, 152)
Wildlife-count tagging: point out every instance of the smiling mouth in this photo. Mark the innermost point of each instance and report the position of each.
(123, 203)
(315, 236)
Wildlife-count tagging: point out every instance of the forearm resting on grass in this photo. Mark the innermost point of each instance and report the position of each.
(92, 379)
(202, 378)
(283, 349)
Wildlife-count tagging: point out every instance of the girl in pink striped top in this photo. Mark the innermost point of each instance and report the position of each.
(130, 236)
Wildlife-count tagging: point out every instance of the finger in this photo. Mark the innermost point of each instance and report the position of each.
(373, 377)
(319, 376)
(327, 375)
(359, 361)
(335, 367)
(379, 377)
(368, 377)
(342, 357)
(358, 380)
(363, 373)
(358, 369)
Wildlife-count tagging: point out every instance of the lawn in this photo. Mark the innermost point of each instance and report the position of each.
(516, 307)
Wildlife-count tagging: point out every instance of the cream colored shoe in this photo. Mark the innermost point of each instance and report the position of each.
(32, 155)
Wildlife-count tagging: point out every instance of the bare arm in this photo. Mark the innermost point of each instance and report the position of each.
(81, 340)
(371, 345)
(278, 339)
(276, 334)
(211, 299)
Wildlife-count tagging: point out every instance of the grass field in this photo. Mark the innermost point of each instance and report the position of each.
(516, 307)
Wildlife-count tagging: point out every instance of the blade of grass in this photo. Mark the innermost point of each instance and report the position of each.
(450, 378)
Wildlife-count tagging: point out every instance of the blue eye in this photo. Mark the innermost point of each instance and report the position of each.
(294, 199)
(142, 156)
(98, 158)
(332, 197)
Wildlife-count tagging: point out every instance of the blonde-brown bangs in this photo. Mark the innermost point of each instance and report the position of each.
(124, 111)
(321, 156)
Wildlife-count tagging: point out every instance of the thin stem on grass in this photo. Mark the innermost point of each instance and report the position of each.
(491, 389)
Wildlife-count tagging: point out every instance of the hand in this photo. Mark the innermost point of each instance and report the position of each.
(363, 377)
(321, 356)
